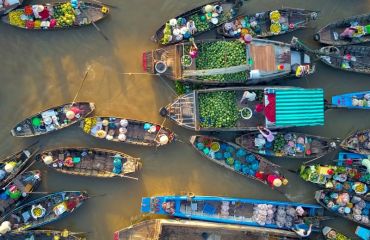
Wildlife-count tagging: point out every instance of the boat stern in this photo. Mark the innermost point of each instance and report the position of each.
(146, 205)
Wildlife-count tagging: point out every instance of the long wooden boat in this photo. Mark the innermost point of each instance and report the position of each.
(42, 235)
(363, 233)
(184, 230)
(15, 163)
(6, 7)
(92, 162)
(45, 210)
(354, 100)
(268, 23)
(53, 119)
(53, 16)
(288, 144)
(352, 58)
(169, 34)
(229, 62)
(233, 210)
(332, 234)
(18, 190)
(127, 130)
(239, 160)
(225, 109)
(357, 142)
(338, 177)
(331, 33)
(335, 201)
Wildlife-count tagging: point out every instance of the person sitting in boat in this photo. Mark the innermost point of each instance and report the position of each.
(169, 207)
(302, 230)
(266, 133)
(348, 33)
(193, 52)
(191, 26)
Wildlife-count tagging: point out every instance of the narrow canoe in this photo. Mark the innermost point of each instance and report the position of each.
(186, 230)
(236, 159)
(334, 201)
(338, 177)
(355, 100)
(17, 190)
(229, 12)
(15, 163)
(288, 144)
(233, 210)
(45, 210)
(260, 24)
(8, 8)
(259, 62)
(128, 131)
(330, 34)
(86, 14)
(247, 108)
(357, 142)
(53, 119)
(92, 162)
(42, 235)
(363, 233)
(352, 58)
(332, 234)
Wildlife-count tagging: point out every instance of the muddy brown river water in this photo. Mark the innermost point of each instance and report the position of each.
(44, 69)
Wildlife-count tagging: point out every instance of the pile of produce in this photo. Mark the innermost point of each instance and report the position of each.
(281, 216)
(15, 18)
(348, 205)
(222, 54)
(64, 14)
(218, 109)
(200, 23)
(278, 143)
(88, 123)
(333, 235)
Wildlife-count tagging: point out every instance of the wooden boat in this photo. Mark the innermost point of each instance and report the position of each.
(332, 234)
(229, 62)
(360, 214)
(4, 9)
(336, 177)
(331, 33)
(185, 229)
(239, 160)
(357, 142)
(268, 23)
(56, 18)
(225, 109)
(17, 190)
(15, 163)
(42, 235)
(355, 100)
(288, 144)
(228, 13)
(92, 162)
(363, 233)
(45, 210)
(127, 130)
(231, 210)
(352, 58)
(53, 119)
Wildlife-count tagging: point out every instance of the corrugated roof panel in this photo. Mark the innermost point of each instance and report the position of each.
(299, 107)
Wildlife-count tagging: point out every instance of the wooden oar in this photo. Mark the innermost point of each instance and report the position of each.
(109, 5)
(96, 27)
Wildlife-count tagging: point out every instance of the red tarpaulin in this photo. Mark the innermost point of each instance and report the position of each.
(270, 109)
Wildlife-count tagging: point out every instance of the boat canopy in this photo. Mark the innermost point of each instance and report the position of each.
(294, 107)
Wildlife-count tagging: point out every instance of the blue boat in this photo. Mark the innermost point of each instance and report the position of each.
(363, 233)
(241, 211)
(355, 100)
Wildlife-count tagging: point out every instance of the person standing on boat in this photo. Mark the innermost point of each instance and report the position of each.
(301, 230)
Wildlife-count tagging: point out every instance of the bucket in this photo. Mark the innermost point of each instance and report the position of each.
(160, 67)
(215, 146)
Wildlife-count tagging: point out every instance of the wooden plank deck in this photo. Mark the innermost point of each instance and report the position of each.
(263, 57)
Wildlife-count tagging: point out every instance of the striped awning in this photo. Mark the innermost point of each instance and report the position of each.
(299, 107)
